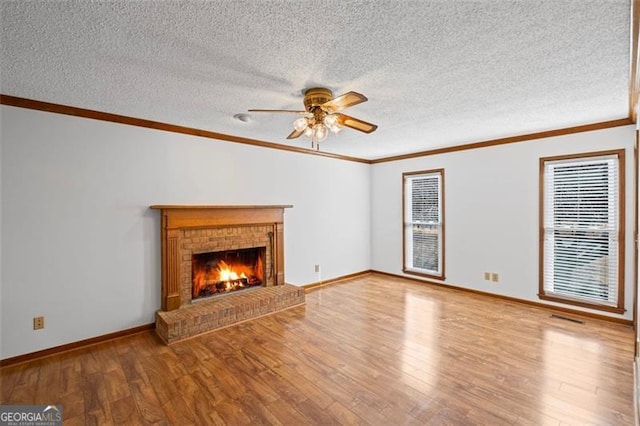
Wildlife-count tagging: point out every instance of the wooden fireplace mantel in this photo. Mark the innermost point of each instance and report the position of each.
(180, 216)
(176, 218)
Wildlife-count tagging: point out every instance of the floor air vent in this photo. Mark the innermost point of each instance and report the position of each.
(567, 319)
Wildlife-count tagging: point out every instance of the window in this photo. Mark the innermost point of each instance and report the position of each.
(423, 234)
(582, 231)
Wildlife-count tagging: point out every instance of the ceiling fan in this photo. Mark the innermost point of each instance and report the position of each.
(321, 115)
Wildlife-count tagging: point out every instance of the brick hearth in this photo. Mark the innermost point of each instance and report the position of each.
(212, 314)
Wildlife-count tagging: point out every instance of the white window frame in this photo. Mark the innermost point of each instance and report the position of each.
(410, 224)
(591, 280)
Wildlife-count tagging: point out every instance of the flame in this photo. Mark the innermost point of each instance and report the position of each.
(259, 269)
(199, 277)
(225, 273)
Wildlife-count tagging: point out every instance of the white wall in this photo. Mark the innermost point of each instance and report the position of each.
(491, 203)
(81, 247)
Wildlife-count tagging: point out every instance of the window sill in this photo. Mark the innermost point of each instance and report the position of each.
(423, 274)
(582, 303)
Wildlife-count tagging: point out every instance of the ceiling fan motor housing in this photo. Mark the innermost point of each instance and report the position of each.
(316, 96)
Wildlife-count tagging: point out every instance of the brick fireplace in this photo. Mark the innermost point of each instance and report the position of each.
(191, 232)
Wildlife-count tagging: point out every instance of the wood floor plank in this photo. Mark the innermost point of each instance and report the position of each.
(286, 413)
(178, 412)
(314, 413)
(343, 415)
(21, 383)
(10, 379)
(48, 387)
(147, 403)
(96, 400)
(206, 386)
(116, 384)
(124, 412)
(388, 416)
(256, 385)
(370, 350)
(200, 399)
(90, 360)
(108, 357)
(73, 405)
(70, 375)
(232, 413)
(305, 386)
(257, 410)
(133, 369)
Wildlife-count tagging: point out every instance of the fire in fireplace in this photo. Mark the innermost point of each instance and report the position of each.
(215, 273)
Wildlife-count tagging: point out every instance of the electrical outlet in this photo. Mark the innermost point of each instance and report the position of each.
(494, 277)
(38, 323)
(487, 276)
(317, 268)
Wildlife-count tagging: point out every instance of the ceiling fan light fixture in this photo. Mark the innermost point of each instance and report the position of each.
(330, 120)
(300, 124)
(308, 132)
(320, 132)
(317, 128)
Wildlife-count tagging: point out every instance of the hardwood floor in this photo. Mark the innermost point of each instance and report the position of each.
(372, 350)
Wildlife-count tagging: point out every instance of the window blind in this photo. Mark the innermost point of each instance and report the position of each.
(423, 223)
(581, 226)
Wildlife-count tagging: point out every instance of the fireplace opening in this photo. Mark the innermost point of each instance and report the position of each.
(221, 272)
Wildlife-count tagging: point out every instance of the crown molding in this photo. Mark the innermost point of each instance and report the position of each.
(149, 124)
(509, 140)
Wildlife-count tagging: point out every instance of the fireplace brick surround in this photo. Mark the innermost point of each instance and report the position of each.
(188, 230)
(206, 240)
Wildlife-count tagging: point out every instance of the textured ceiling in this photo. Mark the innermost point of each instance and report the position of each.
(437, 73)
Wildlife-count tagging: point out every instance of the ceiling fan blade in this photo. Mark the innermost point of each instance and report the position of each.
(344, 101)
(278, 110)
(356, 124)
(295, 134)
